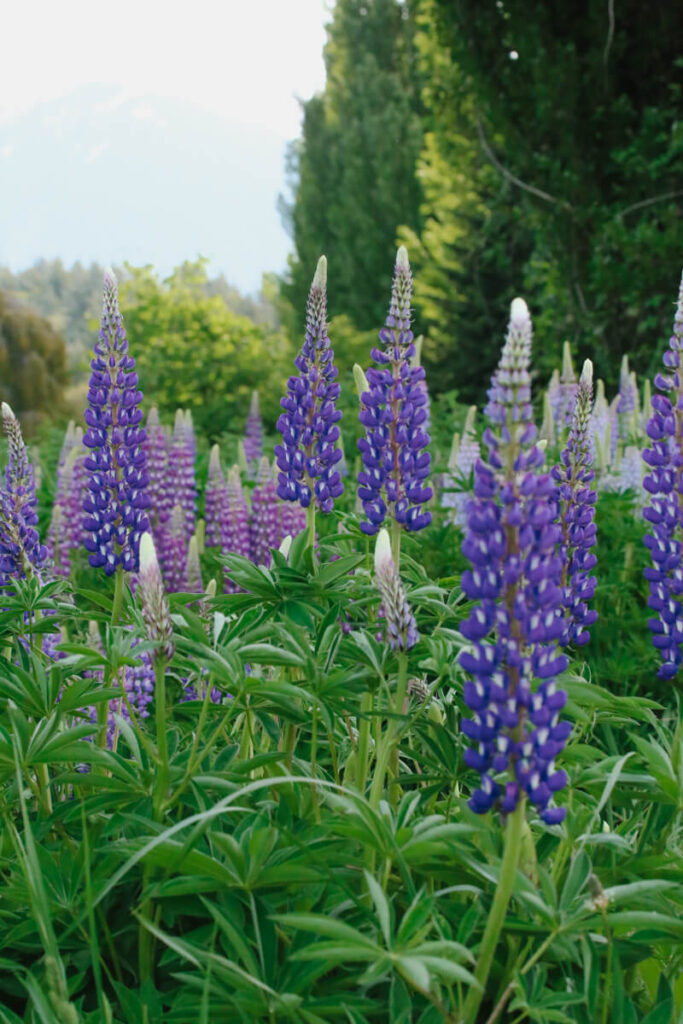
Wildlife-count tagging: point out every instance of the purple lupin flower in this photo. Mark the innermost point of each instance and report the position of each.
(292, 519)
(136, 680)
(116, 501)
(664, 513)
(181, 486)
(464, 454)
(21, 552)
(554, 393)
(399, 621)
(567, 392)
(234, 523)
(395, 460)
(515, 582)
(157, 466)
(193, 569)
(173, 557)
(58, 542)
(264, 525)
(253, 436)
(214, 496)
(308, 456)
(75, 490)
(574, 475)
(627, 390)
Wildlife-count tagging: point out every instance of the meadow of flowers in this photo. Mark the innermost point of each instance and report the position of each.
(369, 737)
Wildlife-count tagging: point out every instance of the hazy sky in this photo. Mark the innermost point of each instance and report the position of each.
(236, 66)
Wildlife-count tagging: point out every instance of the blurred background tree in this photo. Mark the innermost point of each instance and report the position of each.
(550, 147)
(353, 170)
(33, 365)
(192, 352)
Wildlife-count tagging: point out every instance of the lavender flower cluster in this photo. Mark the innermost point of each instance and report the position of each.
(512, 541)
(393, 412)
(664, 513)
(308, 455)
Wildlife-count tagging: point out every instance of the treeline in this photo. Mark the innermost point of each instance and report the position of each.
(71, 299)
(515, 148)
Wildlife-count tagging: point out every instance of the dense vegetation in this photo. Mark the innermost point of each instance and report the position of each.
(549, 162)
(272, 763)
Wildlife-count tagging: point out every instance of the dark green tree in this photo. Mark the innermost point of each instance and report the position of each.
(575, 111)
(33, 370)
(353, 171)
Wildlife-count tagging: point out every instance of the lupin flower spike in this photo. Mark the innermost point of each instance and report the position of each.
(574, 475)
(155, 610)
(213, 499)
(264, 526)
(175, 552)
(116, 499)
(308, 456)
(461, 464)
(253, 436)
(181, 484)
(157, 466)
(664, 513)
(393, 412)
(568, 389)
(627, 392)
(547, 432)
(401, 630)
(234, 535)
(193, 571)
(20, 549)
(515, 582)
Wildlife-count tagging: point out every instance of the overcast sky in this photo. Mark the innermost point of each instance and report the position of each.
(234, 66)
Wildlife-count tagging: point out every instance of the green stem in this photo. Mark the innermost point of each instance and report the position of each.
(363, 740)
(396, 543)
(162, 743)
(496, 918)
(44, 780)
(314, 757)
(390, 737)
(145, 937)
(117, 606)
(310, 524)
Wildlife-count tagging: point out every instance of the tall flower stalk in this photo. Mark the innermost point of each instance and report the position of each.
(515, 624)
(252, 445)
(213, 499)
(116, 501)
(574, 476)
(401, 635)
(234, 523)
(664, 459)
(21, 553)
(394, 413)
(308, 455)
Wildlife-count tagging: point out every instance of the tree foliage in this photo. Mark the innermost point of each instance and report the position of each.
(32, 364)
(195, 353)
(353, 170)
(572, 116)
(539, 154)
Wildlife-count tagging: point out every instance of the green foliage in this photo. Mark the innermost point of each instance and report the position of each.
(353, 171)
(194, 353)
(584, 155)
(266, 886)
(32, 365)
